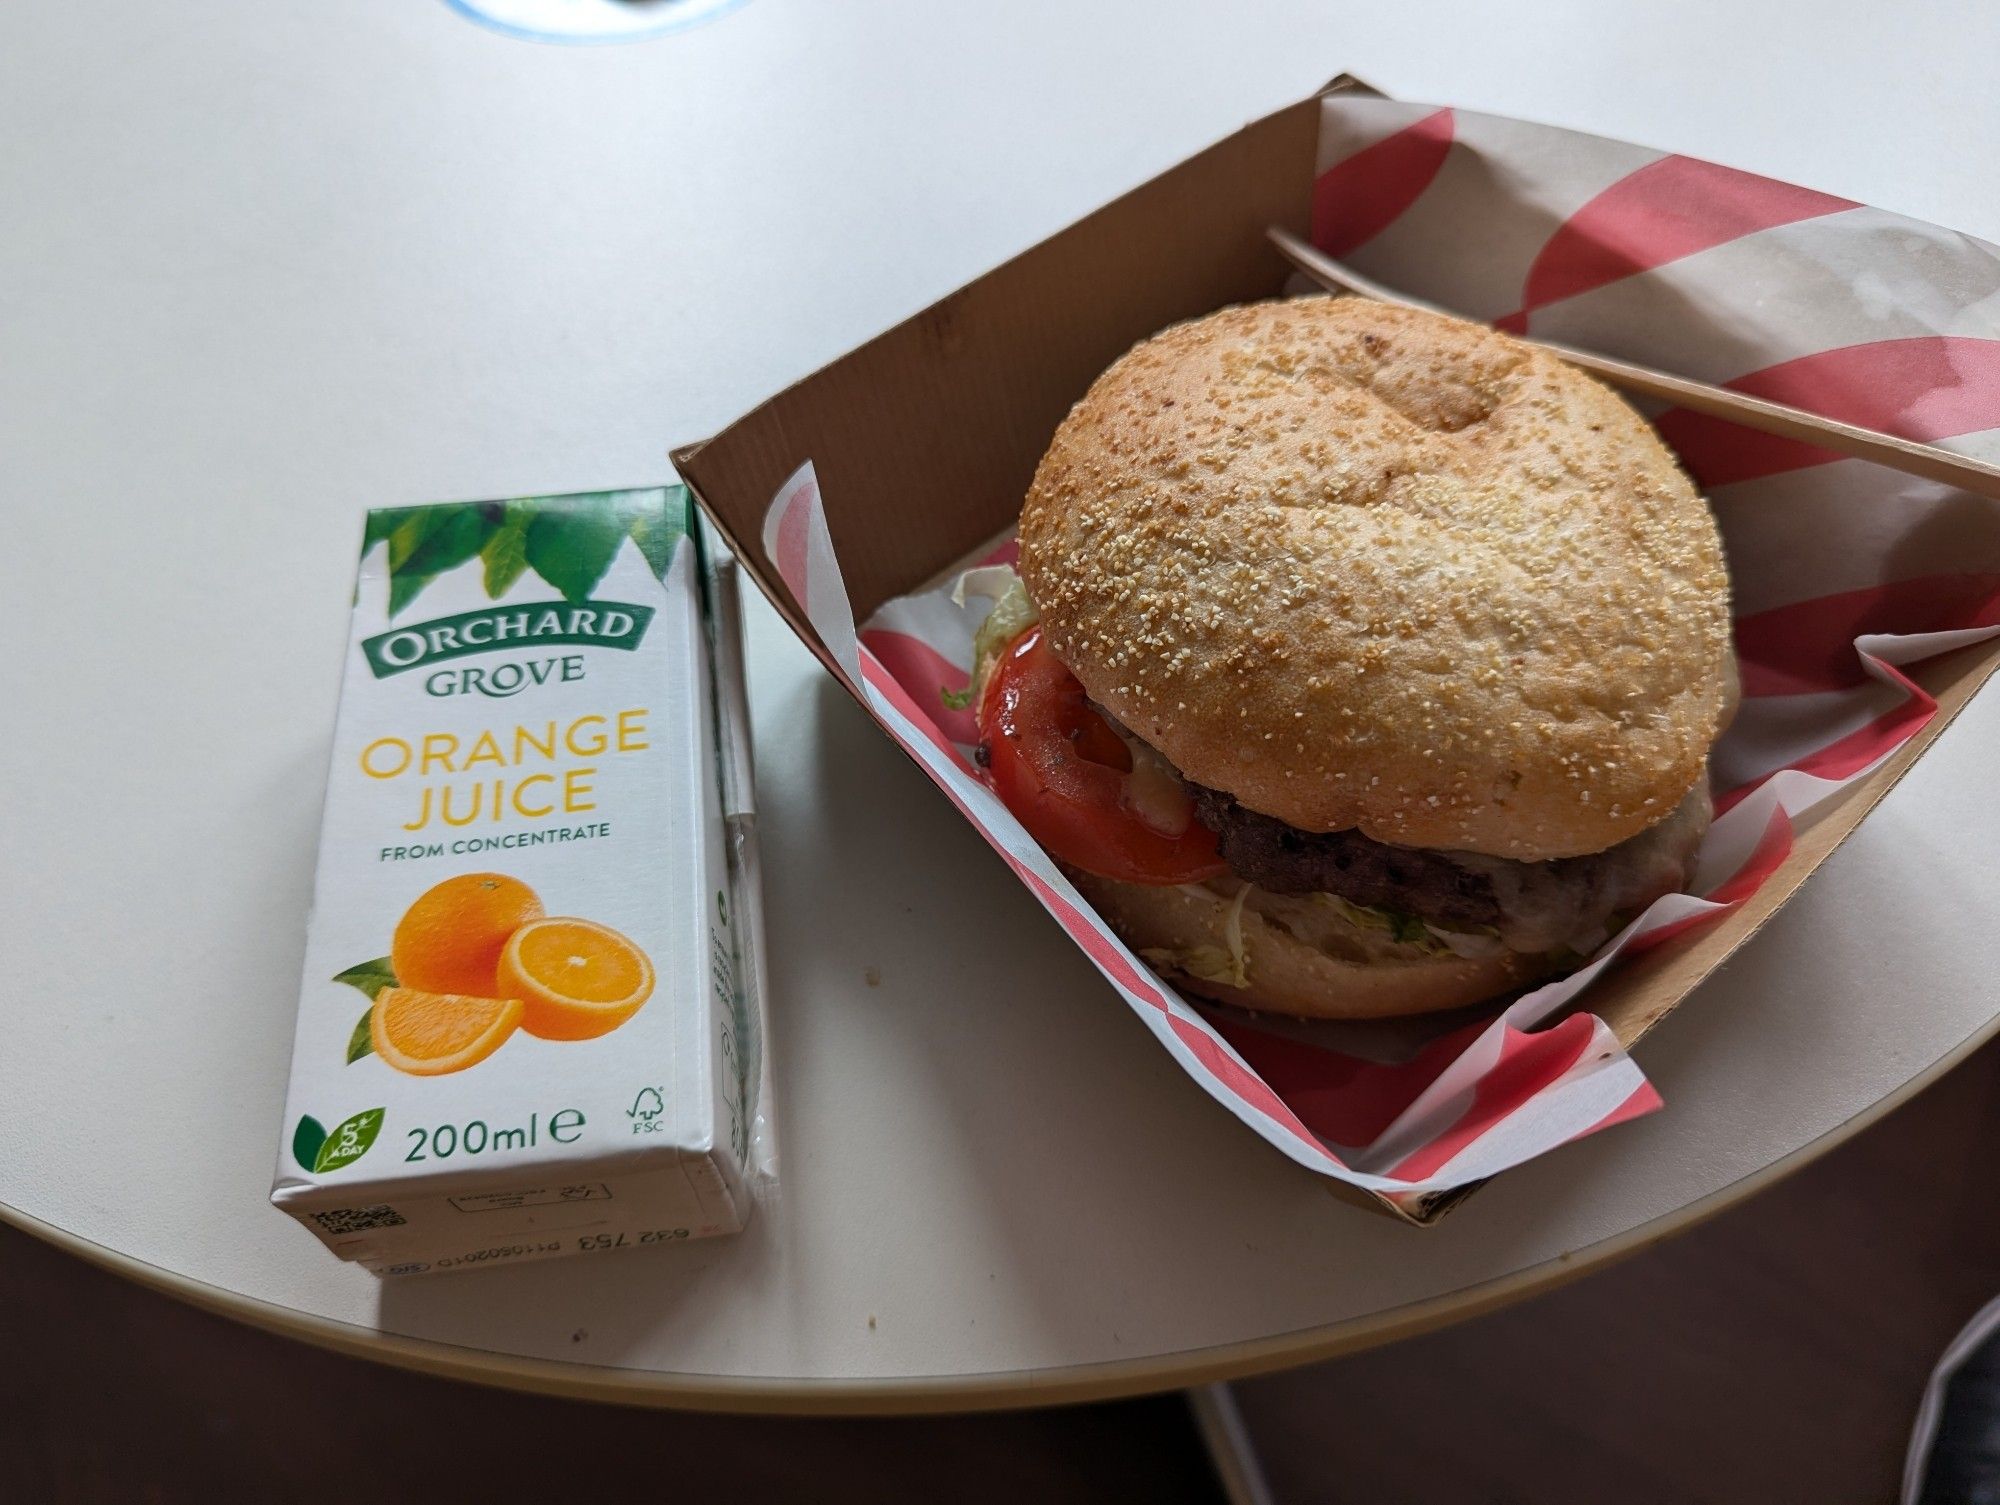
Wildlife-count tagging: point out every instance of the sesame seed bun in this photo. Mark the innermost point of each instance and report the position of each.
(1309, 965)
(1365, 567)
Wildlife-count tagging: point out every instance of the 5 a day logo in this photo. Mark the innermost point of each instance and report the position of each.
(318, 1151)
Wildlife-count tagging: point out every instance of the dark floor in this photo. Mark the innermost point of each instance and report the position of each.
(1774, 1355)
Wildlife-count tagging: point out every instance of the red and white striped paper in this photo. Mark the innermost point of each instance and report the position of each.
(1841, 571)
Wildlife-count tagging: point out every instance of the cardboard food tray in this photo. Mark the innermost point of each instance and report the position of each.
(923, 442)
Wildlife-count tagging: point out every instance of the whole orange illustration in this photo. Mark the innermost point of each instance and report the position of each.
(450, 939)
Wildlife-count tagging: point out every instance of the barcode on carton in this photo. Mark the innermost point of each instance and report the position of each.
(345, 1220)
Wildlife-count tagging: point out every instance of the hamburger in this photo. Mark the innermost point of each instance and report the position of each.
(1362, 661)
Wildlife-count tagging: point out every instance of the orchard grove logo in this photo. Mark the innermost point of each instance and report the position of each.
(567, 542)
(603, 624)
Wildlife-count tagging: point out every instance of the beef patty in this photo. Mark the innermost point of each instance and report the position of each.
(1535, 906)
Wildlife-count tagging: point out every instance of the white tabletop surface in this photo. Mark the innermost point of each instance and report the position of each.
(264, 264)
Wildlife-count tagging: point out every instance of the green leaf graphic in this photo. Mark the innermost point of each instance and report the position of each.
(348, 1142)
(382, 521)
(656, 534)
(454, 537)
(572, 549)
(306, 1141)
(408, 535)
(631, 504)
(451, 536)
(362, 1041)
(424, 542)
(506, 555)
(403, 589)
(370, 977)
(569, 541)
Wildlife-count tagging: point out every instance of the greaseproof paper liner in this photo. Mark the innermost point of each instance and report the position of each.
(1842, 572)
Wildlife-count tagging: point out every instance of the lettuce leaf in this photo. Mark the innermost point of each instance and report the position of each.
(1012, 614)
(1409, 930)
(1227, 964)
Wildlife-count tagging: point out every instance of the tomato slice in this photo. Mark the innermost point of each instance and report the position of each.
(1058, 765)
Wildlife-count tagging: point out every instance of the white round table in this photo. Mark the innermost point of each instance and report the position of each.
(264, 266)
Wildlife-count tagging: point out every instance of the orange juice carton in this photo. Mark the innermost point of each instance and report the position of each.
(529, 1023)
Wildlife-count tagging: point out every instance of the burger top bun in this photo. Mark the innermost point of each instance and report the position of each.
(1368, 567)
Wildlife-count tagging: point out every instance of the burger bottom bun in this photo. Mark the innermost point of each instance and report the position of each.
(1300, 958)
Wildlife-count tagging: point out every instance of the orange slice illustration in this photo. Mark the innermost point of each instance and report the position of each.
(578, 979)
(430, 1034)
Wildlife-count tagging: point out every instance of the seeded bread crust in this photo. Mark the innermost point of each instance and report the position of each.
(1370, 568)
